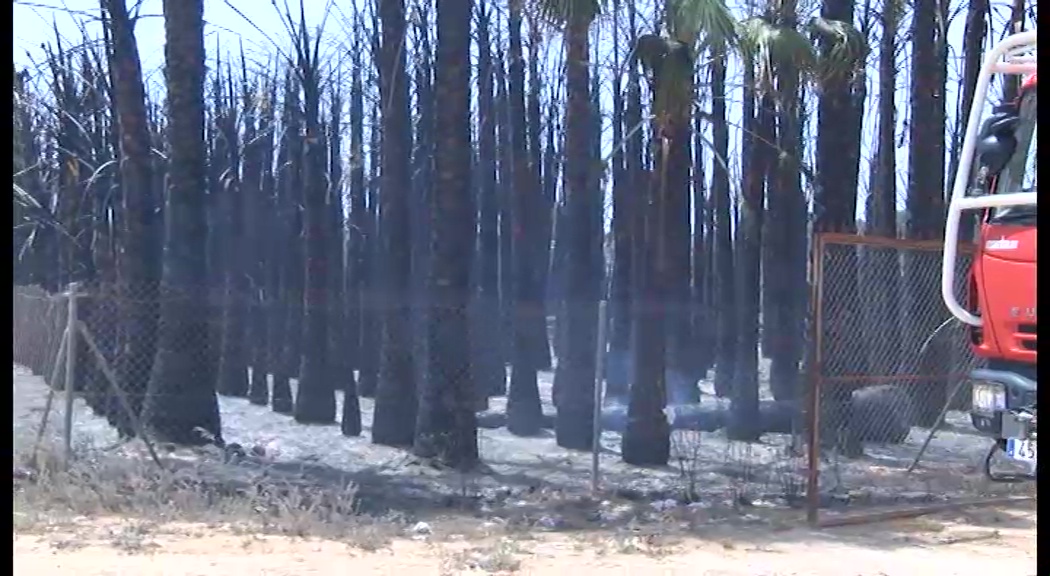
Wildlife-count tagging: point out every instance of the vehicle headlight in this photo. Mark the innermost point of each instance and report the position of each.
(988, 397)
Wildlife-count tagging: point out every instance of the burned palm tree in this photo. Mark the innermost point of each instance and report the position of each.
(663, 237)
(180, 399)
(395, 411)
(446, 426)
(315, 395)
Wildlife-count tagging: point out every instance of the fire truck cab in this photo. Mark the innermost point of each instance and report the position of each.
(997, 179)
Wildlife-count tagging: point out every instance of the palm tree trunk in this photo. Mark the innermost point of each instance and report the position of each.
(524, 411)
(925, 196)
(790, 247)
(835, 211)
(882, 274)
(446, 426)
(285, 323)
(759, 133)
(180, 399)
(574, 378)
(544, 202)
(139, 261)
(350, 422)
(724, 288)
(489, 371)
(396, 401)
(233, 374)
(371, 314)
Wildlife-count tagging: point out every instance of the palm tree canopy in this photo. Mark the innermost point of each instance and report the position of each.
(768, 46)
(709, 20)
(845, 47)
(559, 13)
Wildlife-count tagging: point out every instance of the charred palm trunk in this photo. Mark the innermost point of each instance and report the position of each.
(422, 189)
(255, 332)
(355, 258)
(680, 387)
(574, 379)
(663, 248)
(724, 288)
(523, 398)
(837, 158)
(396, 401)
(701, 327)
(882, 275)
(371, 314)
(627, 229)
(340, 366)
(758, 138)
(315, 395)
(139, 260)
(540, 233)
(619, 290)
(446, 426)
(488, 366)
(784, 272)
(233, 374)
(180, 400)
(973, 55)
(268, 252)
(215, 213)
(286, 244)
(505, 157)
(925, 201)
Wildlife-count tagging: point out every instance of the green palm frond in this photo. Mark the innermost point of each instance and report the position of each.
(559, 13)
(710, 21)
(769, 47)
(844, 48)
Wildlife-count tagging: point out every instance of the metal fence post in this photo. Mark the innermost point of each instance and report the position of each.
(71, 363)
(599, 381)
(814, 377)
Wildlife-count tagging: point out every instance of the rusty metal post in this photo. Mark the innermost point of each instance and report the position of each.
(813, 402)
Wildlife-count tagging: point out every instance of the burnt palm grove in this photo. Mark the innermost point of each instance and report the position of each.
(429, 214)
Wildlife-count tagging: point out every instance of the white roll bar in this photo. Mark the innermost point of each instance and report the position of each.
(1015, 55)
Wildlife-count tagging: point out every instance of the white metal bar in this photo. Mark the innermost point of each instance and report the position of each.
(599, 381)
(997, 201)
(1004, 58)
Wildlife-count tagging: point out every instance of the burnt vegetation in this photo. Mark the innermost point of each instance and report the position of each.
(429, 213)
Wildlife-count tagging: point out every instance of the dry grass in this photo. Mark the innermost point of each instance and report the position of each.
(107, 511)
(50, 497)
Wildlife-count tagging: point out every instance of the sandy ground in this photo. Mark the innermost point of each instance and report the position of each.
(978, 542)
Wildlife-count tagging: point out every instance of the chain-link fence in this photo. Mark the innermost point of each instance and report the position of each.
(39, 324)
(143, 350)
(889, 376)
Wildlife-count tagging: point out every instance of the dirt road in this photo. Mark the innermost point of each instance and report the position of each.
(974, 543)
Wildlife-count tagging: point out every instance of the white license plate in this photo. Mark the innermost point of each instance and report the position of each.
(1023, 450)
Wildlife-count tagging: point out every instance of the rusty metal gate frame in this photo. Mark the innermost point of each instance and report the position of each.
(816, 384)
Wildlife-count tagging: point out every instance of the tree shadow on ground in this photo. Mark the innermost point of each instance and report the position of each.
(420, 492)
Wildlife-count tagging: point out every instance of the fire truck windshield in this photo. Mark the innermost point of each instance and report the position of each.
(1020, 173)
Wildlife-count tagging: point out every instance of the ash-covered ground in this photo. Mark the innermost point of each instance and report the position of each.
(705, 465)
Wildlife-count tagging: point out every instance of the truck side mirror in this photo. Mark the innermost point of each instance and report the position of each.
(995, 150)
(997, 141)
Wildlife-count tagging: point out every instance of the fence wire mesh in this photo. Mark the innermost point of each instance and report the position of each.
(39, 322)
(890, 377)
(243, 349)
